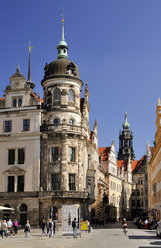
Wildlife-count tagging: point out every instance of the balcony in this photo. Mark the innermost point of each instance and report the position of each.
(64, 194)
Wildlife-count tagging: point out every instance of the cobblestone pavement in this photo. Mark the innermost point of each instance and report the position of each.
(110, 236)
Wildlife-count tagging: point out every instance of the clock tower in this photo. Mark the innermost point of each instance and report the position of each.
(126, 142)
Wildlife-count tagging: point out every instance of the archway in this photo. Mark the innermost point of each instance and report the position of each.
(23, 214)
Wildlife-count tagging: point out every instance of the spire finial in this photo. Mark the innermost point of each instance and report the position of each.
(62, 47)
(126, 124)
(29, 81)
(30, 47)
(18, 68)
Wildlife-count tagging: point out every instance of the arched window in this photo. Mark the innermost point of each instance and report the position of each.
(56, 121)
(71, 96)
(23, 208)
(71, 122)
(57, 95)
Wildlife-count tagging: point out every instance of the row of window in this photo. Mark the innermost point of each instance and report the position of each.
(8, 125)
(55, 182)
(16, 155)
(57, 121)
(16, 102)
(57, 95)
(55, 152)
(11, 183)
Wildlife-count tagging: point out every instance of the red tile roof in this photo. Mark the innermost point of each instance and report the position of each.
(104, 152)
(36, 97)
(122, 163)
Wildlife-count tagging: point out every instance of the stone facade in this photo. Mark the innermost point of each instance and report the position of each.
(49, 156)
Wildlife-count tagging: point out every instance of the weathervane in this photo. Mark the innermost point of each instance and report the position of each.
(62, 15)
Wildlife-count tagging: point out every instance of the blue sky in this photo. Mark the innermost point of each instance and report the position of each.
(116, 45)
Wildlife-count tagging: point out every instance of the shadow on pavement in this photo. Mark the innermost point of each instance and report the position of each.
(141, 237)
(148, 247)
(155, 243)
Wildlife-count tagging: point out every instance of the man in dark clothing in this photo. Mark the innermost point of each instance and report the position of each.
(74, 224)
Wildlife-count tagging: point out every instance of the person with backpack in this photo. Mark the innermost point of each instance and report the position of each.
(50, 228)
(74, 224)
(27, 229)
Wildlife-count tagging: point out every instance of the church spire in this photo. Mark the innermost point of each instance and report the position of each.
(126, 125)
(62, 47)
(29, 81)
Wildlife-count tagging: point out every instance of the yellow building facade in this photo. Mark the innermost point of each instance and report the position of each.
(154, 172)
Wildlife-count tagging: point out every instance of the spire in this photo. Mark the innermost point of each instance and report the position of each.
(86, 92)
(62, 47)
(29, 81)
(159, 101)
(18, 68)
(126, 125)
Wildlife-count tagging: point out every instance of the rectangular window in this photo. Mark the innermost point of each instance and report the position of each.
(55, 153)
(21, 156)
(55, 183)
(11, 156)
(71, 154)
(19, 102)
(26, 125)
(11, 183)
(20, 184)
(71, 181)
(14, 102)
(8, 126)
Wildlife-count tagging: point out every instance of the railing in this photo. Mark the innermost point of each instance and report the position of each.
(64, 194)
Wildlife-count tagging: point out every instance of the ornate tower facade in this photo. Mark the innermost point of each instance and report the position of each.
(65, 136)
(126, 142)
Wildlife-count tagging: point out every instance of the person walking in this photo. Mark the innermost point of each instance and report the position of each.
(4, 228)
(54, 226)
(43, 225)
(27, 229)
(50, 228)
(74, 224)
(124, 225)
(15, 226)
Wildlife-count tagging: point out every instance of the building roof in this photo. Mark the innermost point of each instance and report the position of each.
(104, 152)
(122, 163)
(36, 97)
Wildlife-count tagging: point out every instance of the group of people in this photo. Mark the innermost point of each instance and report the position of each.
(48, 228)
(8, 227)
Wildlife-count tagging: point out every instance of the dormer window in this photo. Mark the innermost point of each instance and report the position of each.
(17, 102)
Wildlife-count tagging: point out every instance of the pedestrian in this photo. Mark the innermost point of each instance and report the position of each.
(9, 225)
(47, 225)
(54, 226)
(74, 224)
(27, 229)
(146, 223)
(124, 225)
(15, 226)
(4, 228)
(43, 225)
(50, 228)
(0, 226)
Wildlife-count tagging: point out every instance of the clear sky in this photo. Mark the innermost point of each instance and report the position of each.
(115, 43)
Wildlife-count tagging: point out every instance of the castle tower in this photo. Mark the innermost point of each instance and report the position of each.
(126, 142)
(65, 133)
